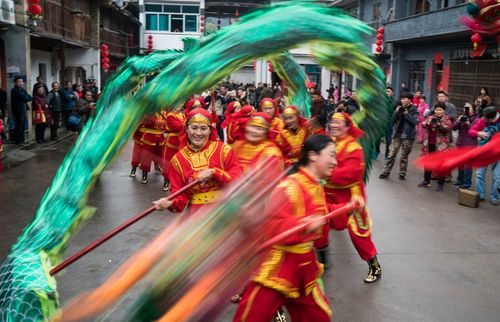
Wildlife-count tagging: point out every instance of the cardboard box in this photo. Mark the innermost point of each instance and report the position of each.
(468, 198)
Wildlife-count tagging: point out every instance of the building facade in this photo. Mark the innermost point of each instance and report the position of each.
(426, 46)
(63, 43)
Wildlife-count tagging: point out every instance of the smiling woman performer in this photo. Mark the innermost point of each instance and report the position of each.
(291, 139)
(346, 183)
(202, 156)
(257, 146)
(289, 273)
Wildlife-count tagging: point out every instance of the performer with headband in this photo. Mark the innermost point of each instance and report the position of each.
(148, 142)
(201, 156)
(175, 122)
(257, 146)
(270, 107)
(292, 137)
(346, 183)
(289, 273)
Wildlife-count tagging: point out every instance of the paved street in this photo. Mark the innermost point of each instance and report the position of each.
(440, 260)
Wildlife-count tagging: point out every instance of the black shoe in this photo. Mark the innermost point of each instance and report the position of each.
(132, 172)
(402, 177)
(279, 316)
(144, 177)
(383, 175)
(166, 185)
(374, 271)
(322, 257)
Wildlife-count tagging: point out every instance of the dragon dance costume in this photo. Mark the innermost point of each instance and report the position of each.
(188, 162)
(148, 145)
(175, 122)
(277, 124)
(346, 182)
(289, 273)
(290, 140)
(250, 154)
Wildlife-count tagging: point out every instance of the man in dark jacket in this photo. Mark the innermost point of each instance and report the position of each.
(55, 101)
(404, 120)
(18, 98)
(69, 101)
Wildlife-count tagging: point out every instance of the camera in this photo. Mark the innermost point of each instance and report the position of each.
(464, 119)
(435, 121)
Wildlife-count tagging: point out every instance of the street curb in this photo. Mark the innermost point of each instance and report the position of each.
(13, 156)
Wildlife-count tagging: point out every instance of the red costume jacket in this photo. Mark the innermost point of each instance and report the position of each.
(291, 268)
(291, 142)
(277, 126)
(150, 131)
(187, 163)
(175, 122)
(249, 154)
(345, 182)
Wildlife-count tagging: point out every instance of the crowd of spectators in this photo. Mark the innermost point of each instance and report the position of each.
(67, 107)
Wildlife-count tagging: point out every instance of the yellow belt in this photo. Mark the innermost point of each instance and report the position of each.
(302, 248)
(205, 197)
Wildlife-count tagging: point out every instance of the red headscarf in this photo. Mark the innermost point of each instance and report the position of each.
(198, 116)
(268, 101)
(293, 110)
(354, 131)
(194, 103)
(228, 114)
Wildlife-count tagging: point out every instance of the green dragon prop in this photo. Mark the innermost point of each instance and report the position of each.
(27, 292)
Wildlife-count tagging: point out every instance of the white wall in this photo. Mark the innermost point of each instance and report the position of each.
(88, 59)
(167, 40)
(52, 63)
(245, 75)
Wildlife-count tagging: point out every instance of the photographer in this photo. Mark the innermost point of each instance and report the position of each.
(437, 126)
(462, 125)
(404, 121)
(484, 129)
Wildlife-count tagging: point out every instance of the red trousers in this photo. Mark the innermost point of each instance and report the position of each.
(323, 241)
(359, 228)
(136, 155)
(145, 154)
(260, 303)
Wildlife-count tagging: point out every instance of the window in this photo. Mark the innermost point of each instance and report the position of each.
(416, 75)
(313, 72)
(164, 22)
(172, 18)
(191, 22)
(444, 4)
(151, 22)
(420, 6)
(177, 23)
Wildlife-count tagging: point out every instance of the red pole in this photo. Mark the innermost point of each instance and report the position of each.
(115, 231)
(299, 228)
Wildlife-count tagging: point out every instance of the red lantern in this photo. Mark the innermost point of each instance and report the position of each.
(380, 36)
(254, 65)
(476, 39)
(35, 9)
(202, 29)
(270, 67)
(378, 43)
(381, 30)
(378, 49)
(105, 67)
(104, 47)
(202, 18)
(202, 24)
(105, 60)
